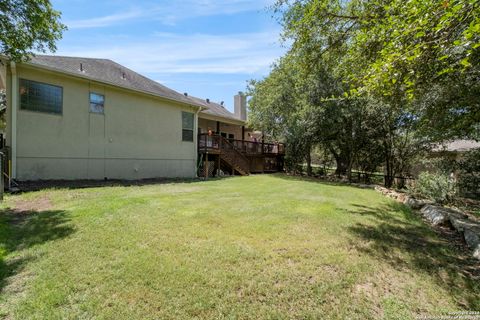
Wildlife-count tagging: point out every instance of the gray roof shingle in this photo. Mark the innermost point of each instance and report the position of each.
(108, 71)
(214, 108)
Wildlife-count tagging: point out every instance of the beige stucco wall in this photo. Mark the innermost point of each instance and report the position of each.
(138, 137)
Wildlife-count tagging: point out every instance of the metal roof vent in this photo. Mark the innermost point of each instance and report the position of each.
(222, 103)
(81, 68)
(186, 94)
(124, 76)
(208, 100)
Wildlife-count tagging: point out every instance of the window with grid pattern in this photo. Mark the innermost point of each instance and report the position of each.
(187, 126)
(41, 97)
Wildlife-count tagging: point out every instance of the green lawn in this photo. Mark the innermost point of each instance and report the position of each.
(248, 247)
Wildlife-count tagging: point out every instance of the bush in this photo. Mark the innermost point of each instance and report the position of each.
(469, 175)
(439, 187)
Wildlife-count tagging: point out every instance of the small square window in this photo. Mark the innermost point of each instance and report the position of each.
(97, 103)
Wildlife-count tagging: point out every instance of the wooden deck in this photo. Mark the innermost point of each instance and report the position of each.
(239, 156)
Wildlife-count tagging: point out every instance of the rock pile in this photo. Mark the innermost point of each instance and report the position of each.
(438, 215)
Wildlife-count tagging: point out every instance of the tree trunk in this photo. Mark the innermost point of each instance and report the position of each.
(388, 173)
(308, 158)
(349, 170)
(342, 162)
(389, 168)
(342, 166)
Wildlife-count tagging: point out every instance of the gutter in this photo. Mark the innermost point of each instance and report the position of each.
(237, 122)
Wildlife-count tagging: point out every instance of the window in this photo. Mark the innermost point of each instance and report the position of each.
(97, 103)
(42, 97)
(187, 126)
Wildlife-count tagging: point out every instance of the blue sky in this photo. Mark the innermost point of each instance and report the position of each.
(208, 48)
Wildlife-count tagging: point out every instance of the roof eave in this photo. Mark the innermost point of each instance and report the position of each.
(213, 117)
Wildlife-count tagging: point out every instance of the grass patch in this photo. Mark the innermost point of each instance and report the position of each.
(247, 247)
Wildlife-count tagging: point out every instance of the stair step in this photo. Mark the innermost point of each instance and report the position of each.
(232, 163)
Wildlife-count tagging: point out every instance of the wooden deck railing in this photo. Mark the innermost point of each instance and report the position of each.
(209, 143)
(219, 145)
(245, 147)
(258, 148)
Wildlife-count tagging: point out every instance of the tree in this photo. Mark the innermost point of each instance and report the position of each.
(278, 109)
(398, 50)
(27, 26)
(469, 175)
(296, 107)
(385, 77)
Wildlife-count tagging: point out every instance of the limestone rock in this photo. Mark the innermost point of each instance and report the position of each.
(414, 203)
(438, 215)
(459, 221)
(435, 215)
(472, 238)
(471, 234)
(470, 230)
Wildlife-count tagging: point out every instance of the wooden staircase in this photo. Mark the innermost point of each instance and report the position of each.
(228, 156)
(234, 158)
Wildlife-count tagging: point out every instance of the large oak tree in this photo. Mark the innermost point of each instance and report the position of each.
(422, 54)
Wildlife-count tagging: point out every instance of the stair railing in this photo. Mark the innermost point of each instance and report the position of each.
(233, 155)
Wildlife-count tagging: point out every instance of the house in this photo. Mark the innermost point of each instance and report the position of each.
(81, 118)
(454, 149)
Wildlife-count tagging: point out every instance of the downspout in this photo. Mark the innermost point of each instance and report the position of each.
(195, 139)
(14, 104)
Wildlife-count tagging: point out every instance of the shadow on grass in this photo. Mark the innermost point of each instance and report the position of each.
(28, 186)
(409, 244)
(21, 230)
(287, 177)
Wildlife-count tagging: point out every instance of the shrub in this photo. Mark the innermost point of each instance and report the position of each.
(439, 187)
(469, 175)
(293, 163)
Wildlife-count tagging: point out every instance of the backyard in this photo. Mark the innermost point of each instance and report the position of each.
(248, 247)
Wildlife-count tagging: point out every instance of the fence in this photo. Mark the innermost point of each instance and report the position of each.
(364, 177)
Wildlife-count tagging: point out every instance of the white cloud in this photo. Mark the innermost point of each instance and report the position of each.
(166, 53)
(170, 12)
(105, 21)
